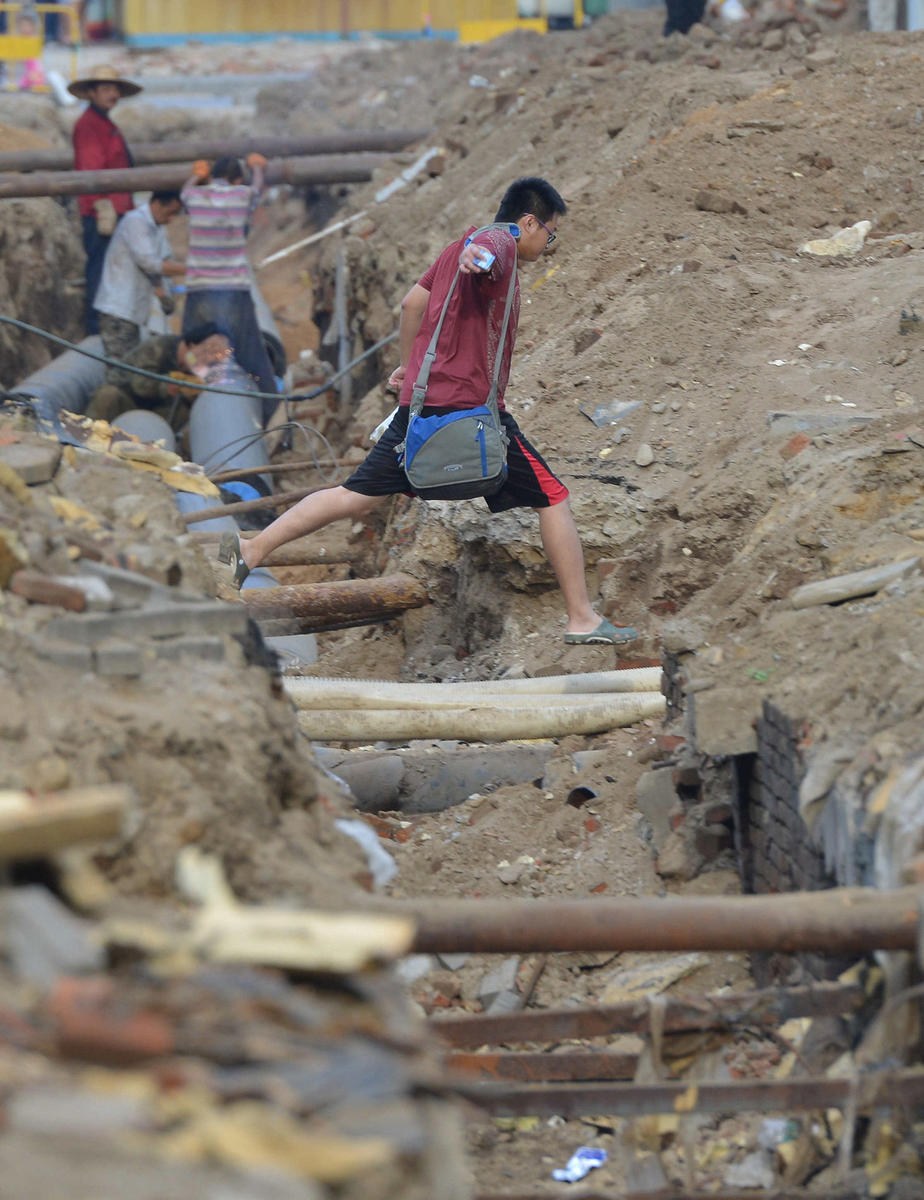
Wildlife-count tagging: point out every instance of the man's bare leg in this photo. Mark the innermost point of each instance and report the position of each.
(312, 513)
(563, 549)
(562, 545)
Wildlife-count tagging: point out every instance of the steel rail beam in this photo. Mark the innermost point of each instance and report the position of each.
(881, 1089)
(835, 1193)
(767, 1008)
(546, 1068)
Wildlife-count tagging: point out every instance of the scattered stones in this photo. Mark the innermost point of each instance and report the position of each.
(644, 456)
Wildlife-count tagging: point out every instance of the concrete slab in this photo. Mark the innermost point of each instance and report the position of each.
(724, 720)
(157, 621)
(33, 461)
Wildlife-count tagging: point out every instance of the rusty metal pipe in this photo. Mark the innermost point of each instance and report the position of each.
(331, 168)
(317, 604)
(842, 920)
(148, 153)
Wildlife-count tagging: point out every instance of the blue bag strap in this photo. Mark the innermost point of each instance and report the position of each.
(419, 391)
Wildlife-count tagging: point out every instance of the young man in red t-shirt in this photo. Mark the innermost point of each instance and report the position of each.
(460, 377)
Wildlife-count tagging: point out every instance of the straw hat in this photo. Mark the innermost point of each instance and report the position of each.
(103, 74)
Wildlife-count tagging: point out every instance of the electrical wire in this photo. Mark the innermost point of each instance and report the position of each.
(199, 387)
(249, 439)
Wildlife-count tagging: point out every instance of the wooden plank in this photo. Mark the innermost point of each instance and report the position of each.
(33, 825)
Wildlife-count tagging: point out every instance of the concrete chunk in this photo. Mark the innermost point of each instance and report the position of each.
(63, 654)
(157, 621)
(115, 658)
(501, 978)
(724, 720)
(212, 649)
(33, 462)
(134, 589)
(45, 939)
(655, 796)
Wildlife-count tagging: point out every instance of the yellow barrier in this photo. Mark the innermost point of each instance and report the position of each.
(20, 47)
(484, 31)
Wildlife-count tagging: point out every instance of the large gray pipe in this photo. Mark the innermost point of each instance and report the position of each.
(268, 327)
(68, 381)
(225, 429)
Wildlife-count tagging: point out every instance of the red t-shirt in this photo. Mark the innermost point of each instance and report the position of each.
(100, 146)
(469, 339)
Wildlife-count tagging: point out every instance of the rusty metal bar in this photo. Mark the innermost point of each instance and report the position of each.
(148, 153)
(765, 1008)
(838, 921)
(280, 468)
(836, 1193)
(879, 1089)
(315, 605)
(331, 168)
(546, 1068)
(279, 500)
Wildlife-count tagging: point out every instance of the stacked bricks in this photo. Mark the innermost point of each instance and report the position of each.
(782, 855)
(672, 685)
(776, 850)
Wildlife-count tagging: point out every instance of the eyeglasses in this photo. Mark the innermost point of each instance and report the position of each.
(552, 235)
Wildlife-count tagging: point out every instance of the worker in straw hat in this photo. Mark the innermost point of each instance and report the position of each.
(99, 146)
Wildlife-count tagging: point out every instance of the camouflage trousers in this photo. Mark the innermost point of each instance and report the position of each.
(120, 338)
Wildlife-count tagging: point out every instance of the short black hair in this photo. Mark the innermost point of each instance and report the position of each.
(228, 168)
(531, 195)
(166, 197)
(205, 329)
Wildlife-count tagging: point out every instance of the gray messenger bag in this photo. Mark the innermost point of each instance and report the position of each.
(461, 454)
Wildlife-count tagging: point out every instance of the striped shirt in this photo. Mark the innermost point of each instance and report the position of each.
(218, 216)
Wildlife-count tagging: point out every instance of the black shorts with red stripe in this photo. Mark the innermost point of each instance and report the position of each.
(530, 482)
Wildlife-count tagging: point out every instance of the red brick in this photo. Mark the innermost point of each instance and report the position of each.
(90, 1023)
(796, 444)
(39, 589)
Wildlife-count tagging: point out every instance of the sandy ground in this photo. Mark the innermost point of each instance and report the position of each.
(779, 399)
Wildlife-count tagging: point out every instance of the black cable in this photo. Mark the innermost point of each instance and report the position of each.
(249, 439)
(200, 387)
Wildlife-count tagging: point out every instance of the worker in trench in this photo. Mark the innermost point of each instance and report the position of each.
(220, 201)
(526, 224)
(138, 260)
(176, 367)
